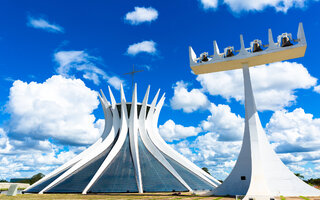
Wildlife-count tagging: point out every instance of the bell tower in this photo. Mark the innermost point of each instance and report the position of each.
(258, 173)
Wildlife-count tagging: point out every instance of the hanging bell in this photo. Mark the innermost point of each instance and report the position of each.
(228, 52)
(204, 57)
(256, 46)
(285, 41)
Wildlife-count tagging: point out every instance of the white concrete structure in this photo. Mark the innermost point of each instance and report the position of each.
(130, 156)
(258, 173)
(13, 189)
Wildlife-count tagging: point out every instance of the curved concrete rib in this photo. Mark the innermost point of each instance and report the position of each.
(115, 114)
(66, 165)
(118, 145)
(104, 98)
(133, 129)
(165, 148)
(156, 113)
(113, 101)
(99, 147)
(143, 111)
(151, 147)
(89, 158)
(153, 107)
(108, 119)
(77, 158)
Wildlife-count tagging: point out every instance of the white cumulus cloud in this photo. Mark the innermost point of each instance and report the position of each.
(171, 131)
(317, 89)
(26, 156)
(238, 6)
(258, 5)
(141, 15)
(27, 163)
(218, 142)
(274, 85)
(3, 138)
(293, 135)
(5, 146)
(294, 131)
(59, 108)
(226, 124)
(71, 62)
(207, 151)
(115, 82)
(209, 4)
(145, 46)
(188, 101)
(41, 23)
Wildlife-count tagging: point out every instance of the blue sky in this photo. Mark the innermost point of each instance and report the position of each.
(55, 56)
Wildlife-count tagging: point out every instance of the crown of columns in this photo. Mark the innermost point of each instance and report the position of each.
(130, 156)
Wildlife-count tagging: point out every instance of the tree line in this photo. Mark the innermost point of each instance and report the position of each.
(31, 180)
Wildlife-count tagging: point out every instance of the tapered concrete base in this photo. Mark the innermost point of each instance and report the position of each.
(259, 173)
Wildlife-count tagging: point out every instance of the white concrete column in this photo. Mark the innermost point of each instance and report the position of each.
(258, 185)
(258, 172)
(133, 135)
